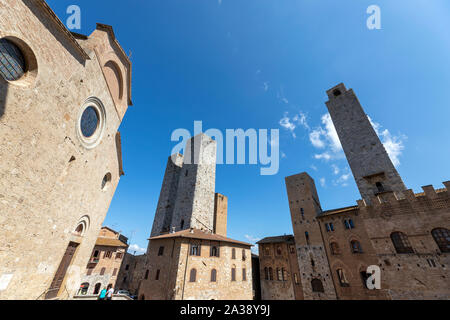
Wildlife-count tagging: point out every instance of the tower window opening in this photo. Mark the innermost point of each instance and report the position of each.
(380, 187)
(337, 93)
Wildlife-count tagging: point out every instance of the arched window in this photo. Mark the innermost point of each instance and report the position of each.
(317, 285)
(352, 225)
(307, 237)
(233, 253)
(214, 251)
(266, 273)
(97, 288)
(102, 271)
(195, 250)
(442, 238)
(12, 61)
(342, 278)
(213, 275)
(84, 288)
(146, 274)
(233, 273)
(380, 187)
(279, 275)
(334, 248)
(284, 273)
(244, 257)
(401, 242)
(158, 272)
(182, 224)
(346, 224)
(270, 274)
(193, 275)
(296, 278)
(279, 252)
(356, 246)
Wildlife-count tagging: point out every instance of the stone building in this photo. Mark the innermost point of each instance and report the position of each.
(403, 233)
(195, 264)
(189, 256)
(279, 270)
(106, 260)
(63, 97)
(131, 273)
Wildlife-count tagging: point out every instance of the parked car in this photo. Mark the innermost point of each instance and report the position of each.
(124, 292)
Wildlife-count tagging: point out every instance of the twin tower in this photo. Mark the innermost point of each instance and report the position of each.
(188, 199)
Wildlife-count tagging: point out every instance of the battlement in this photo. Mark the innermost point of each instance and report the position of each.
(391, 198)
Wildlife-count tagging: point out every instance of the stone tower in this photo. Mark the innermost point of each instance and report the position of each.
(194, 205)
(220, 214)
(372, 168)
(168, 195)
(304, 205)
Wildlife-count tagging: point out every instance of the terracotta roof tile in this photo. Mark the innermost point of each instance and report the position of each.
(199, 234)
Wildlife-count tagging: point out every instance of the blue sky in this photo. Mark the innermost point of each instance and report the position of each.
(267, 64)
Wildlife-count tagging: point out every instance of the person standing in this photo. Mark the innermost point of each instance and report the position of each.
(110, 293)
(102, 294)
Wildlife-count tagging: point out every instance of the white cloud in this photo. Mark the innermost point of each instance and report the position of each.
(291, 124)
(313, 167)
(335, 169)
(326, 137)
(266, 86)
(323, 182)
(135, 247)
(325, 156)
(394, 145)
(283, 155)
(253, 240)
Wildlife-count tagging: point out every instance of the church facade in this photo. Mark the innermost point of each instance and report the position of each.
(63, 97)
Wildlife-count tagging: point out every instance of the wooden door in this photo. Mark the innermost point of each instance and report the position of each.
(61, 272)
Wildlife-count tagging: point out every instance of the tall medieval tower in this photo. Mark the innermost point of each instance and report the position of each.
(372, 168)
(187, 194)
(304, 204)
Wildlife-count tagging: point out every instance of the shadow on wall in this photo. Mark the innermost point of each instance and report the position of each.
(3, 94)
(46, 21)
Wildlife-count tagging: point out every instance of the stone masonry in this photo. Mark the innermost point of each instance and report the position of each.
(194, 205)
(371, 166)
(56, 185)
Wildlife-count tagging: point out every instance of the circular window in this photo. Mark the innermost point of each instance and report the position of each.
(106, 180)
(12, 61)
(91, 123)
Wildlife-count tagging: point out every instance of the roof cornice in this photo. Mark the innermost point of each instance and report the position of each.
(63, 28)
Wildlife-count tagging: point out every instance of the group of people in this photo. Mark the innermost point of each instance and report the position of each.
(106, 294)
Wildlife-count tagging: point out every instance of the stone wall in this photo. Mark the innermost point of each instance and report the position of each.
(279, 256)
(53, 182)
(194, 206)
(168, 196)
(424, 273)
(312, 259)
(220, 214)
(176, 264)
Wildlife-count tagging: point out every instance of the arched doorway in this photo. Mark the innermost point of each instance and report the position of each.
(97, 288)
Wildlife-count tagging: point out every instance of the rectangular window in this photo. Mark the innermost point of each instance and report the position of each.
(119, 255)
(244, 274)
(342, 279)
(157, 274)
(114, 272)
(161, 251)
(233, 274)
